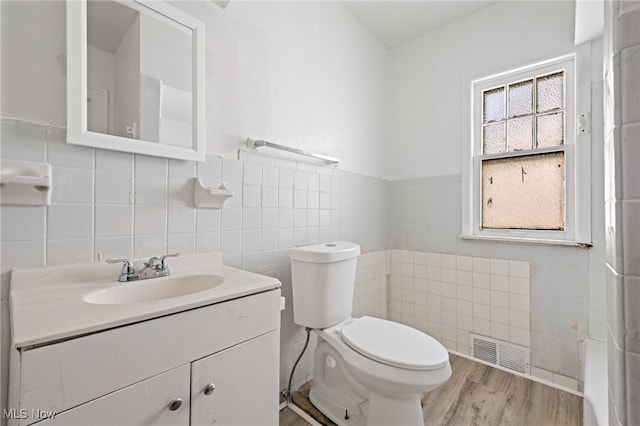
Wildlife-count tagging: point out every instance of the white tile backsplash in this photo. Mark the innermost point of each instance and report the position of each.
(499, 267)
(269, 197)
(207, 220)
(69, 221)
(269, 176)
(251, 218)
(69, 251)
(113, 221)
(61, 154)
(181, 220)
(112, 188)
(447, 300)
(113, 247)
(269, 218)
(252, 173)
(211, 169)
(269, 240)
(21, 254)
(149, 220)
(300, 180)
(114, 161)
(232, 170)
(445, 294)
(231, 219)
(20, 142)
(155, 166)
(22, 223)
(251, 195)
(181, 243)
(300, 198)
(71, 186)
(149, 245)
(180, 192)
(149, 189)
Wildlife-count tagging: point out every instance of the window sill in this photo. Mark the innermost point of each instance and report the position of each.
(521, 240)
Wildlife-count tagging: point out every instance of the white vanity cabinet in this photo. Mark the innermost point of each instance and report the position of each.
(135, 374)
(229, 387)
(143, 403)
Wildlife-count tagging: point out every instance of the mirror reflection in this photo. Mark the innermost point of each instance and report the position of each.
(139, 74)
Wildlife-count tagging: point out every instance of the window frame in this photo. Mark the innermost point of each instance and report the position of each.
(576, 148)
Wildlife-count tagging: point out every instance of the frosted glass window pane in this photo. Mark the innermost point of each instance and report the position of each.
(493, 105)
(550, 92)
(521, 98)
(520, 134)
(493, 138)
(524, 192)
(550, 130)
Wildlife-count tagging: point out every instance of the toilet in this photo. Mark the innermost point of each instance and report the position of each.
(367, 371)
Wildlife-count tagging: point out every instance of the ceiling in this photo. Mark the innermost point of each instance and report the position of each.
(397, 22)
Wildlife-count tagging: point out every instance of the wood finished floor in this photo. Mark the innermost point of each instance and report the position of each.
(477, 395)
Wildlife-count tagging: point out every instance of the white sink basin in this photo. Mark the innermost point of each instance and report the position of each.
(153, 289)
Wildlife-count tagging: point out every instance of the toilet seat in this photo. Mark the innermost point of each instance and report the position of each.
(394, 344)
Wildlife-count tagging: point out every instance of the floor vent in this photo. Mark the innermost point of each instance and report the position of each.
(498, 352)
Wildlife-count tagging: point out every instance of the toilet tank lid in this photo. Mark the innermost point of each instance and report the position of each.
(325, 253)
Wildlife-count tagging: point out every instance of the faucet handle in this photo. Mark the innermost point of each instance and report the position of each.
(164, 262)
(127, 268)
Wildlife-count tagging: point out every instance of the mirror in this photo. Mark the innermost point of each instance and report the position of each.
(135, 78)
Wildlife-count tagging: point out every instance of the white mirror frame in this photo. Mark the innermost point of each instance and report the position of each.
(77, 133)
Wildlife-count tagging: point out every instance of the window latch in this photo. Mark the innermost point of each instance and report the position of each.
(584, 123)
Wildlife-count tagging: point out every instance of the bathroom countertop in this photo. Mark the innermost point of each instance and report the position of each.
(47, 304)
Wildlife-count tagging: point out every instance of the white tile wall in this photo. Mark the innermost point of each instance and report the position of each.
(425, 217)
(370, 295)
(448, 296)
(110, 204)
(622, 200)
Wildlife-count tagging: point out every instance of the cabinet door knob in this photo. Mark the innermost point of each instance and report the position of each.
(208, 390)
(175, 404)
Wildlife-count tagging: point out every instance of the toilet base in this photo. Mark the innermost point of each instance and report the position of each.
(335, 413)
(406, 410)
(336, 393)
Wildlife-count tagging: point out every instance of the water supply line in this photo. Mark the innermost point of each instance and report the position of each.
(286, 394)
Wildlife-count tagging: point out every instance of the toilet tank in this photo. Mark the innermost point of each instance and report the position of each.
(323, 278)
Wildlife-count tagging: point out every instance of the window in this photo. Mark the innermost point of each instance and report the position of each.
(522, 166)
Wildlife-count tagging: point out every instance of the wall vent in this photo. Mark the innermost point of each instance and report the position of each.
(498, 352)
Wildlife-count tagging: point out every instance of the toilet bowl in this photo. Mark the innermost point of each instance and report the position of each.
(374, 372)
(367, 371)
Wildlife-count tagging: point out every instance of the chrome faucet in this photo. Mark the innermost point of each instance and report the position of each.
(153, 268)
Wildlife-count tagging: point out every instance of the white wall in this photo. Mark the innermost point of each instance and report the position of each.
(426, 95)
(305, 75)
(34, 61)
(127, 92)
(166, 52)
(427, 77)
(101, 73)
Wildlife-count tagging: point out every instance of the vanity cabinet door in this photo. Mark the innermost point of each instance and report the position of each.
(239, 385)
(150, 402)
